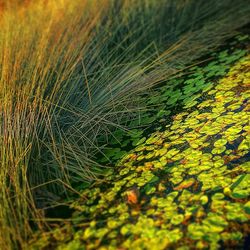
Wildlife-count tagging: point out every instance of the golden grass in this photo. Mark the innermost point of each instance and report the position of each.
(34, 44)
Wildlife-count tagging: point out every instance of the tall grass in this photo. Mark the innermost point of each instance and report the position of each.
(73, 70)
(41, 46)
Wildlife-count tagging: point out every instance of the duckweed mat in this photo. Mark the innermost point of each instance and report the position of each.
(186, 186)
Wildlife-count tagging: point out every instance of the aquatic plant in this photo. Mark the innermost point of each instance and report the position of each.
(184, 187)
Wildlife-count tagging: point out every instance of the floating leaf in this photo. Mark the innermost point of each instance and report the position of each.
(185, 184)
(220, 143)
(218, 150)
(132, 196)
